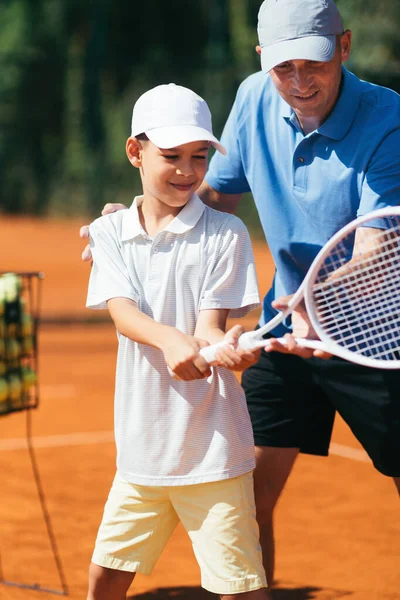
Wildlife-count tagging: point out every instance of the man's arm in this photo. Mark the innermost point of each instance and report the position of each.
(223, 202)
(366, 242)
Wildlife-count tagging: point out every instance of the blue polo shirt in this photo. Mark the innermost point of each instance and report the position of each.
(306, 187)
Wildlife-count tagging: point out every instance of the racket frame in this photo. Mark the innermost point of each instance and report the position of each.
(253, 339)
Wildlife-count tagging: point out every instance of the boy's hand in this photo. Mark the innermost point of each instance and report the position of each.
(233, 358)
(84, 231)
(302, 328)
(181, 352)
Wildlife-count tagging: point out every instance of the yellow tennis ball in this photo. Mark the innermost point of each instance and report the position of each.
(27, 345)
(3, 390)
(15, 390)
(2, 291)
(26, 324)
(13, 349)
(29, 378)
(11, 286)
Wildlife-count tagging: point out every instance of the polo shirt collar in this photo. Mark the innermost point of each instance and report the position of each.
(340, 120)
(184, 221)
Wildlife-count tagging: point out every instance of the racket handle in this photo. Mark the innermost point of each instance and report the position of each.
(248, 342)
(303, 343)
(209, 352)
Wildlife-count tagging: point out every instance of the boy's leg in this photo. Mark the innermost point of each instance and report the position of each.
(220, 519)
(137, 523)
(108, 583)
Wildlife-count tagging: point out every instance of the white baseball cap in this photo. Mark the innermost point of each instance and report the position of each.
(297, 30)
(171, 115)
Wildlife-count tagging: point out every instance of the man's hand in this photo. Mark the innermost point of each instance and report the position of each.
(84, 231)
(181, 353)
(302, 328)
(233, 358)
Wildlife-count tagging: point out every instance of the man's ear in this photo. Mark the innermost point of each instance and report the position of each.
(258, 50)
(134, 152)
(345, 44)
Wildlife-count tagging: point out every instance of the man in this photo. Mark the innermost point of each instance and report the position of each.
(316, 147)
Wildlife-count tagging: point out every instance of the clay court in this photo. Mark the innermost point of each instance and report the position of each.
(337, 525)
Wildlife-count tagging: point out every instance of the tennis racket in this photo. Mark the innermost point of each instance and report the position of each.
(351, 293)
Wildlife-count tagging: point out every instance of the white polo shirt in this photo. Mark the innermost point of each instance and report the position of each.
(176, 432)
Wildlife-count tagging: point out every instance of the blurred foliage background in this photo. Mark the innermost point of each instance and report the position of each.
(71, 71)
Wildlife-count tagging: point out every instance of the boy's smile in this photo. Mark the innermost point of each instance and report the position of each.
(170, 176)
(182, 187)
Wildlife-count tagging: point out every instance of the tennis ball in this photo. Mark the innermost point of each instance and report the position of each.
(26, 324)
(27, 345)
(13, 349)
(3, 390)
(15, 390)
(29, 378)
(11, 287)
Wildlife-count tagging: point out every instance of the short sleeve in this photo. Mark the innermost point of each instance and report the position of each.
(226, 173)
(232, 281)
(381, 186)
(109, 277)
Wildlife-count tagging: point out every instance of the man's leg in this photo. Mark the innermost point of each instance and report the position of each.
(288, 410)
(273, 466)
(105, 584)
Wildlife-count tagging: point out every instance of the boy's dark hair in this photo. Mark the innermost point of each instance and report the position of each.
(142, 137)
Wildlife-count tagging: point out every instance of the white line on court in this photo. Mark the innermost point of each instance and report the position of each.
(107, 437)
(58, 391)
(348, 452)
(54, 441)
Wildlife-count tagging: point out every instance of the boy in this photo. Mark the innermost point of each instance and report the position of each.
(170, 270)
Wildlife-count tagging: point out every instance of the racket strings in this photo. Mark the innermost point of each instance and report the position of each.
(357, 297)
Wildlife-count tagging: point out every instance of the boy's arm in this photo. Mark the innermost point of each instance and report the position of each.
(181, 351)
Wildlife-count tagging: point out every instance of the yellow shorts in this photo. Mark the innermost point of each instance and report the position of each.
(220, 518)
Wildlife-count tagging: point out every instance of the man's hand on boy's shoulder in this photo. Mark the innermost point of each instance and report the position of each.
(84, 230)
(181, 353)
(233, 358)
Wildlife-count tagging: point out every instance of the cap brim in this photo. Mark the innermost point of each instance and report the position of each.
(170, 137)
(317, 48)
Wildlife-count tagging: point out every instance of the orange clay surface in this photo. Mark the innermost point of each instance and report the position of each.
(337, 524)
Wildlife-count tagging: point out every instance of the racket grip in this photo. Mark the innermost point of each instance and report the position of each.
(209, 352)
(303, 343)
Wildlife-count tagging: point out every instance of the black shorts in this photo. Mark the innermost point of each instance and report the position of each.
(292, 403)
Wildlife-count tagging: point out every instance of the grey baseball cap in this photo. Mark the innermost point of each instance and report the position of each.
(297, 29)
